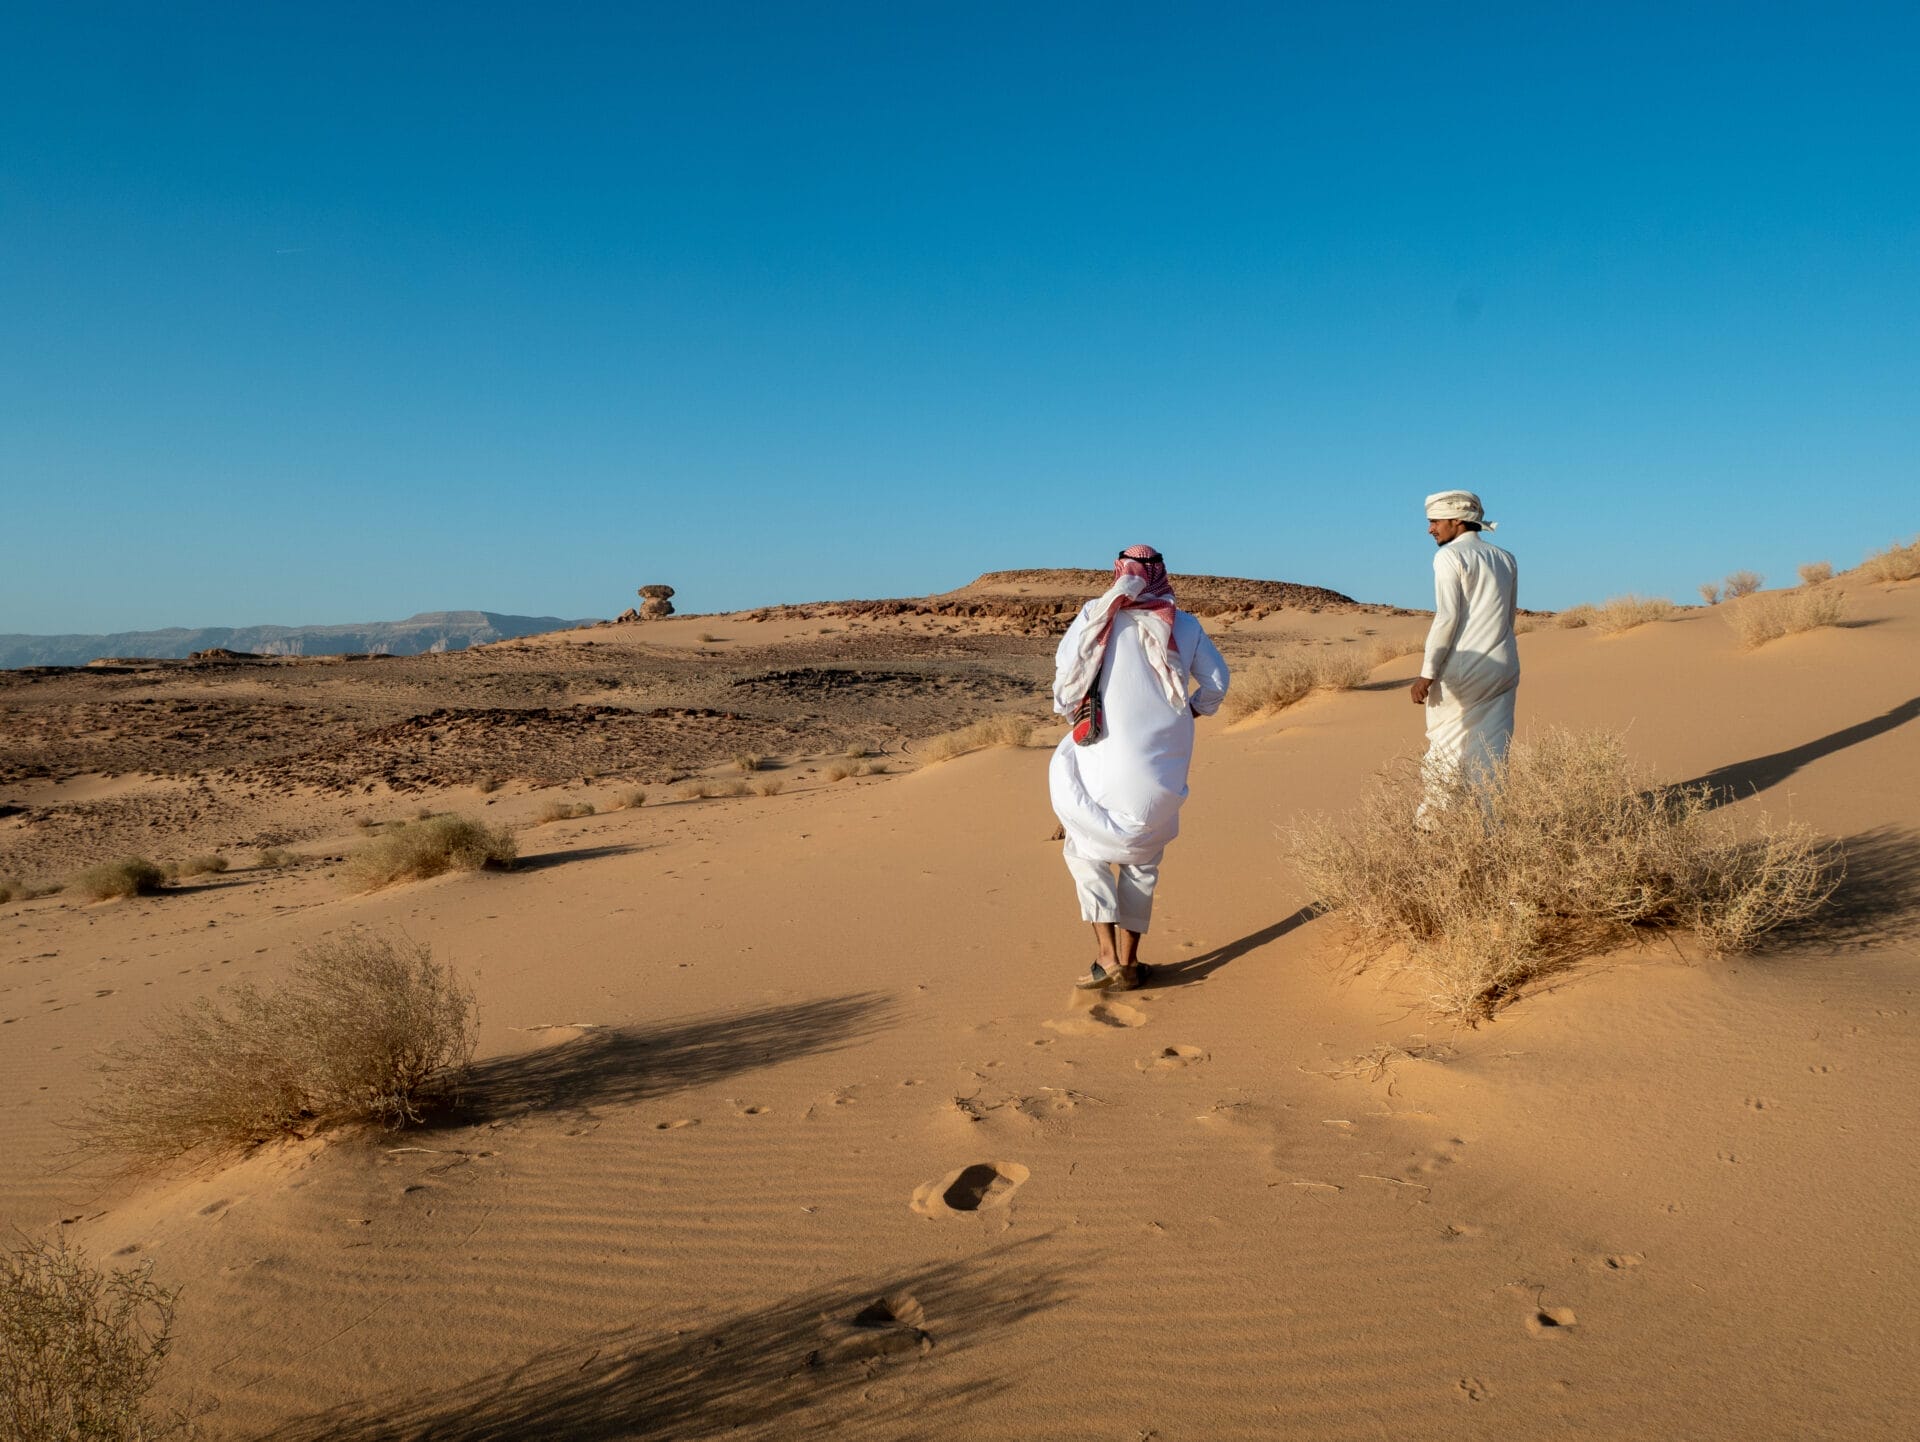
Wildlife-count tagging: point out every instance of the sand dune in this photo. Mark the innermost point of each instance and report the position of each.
(787, 1121)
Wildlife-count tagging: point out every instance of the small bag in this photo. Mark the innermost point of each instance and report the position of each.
(1089, 718)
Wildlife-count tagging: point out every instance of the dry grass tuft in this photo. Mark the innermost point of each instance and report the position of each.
(129, 876)
(1760, 619)
(1575, 617)
(210, 864)
(1815, 573)
(704, 788)
(838, 771)
(1710, 593)
(413, 852)
(273, 858)
(487, 785)
(750, 761)
(1563, 851)
(1291, 677)
(362, 1030)
(1004, 729)
(1897, 563)
(855, 752)
(1384, 650)
(632, 799)
(80, 1349)
(1743, 583)
(562, 811)
(772, 786)
(1623, 613)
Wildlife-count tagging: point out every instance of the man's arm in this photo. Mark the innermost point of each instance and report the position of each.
(1449, 614)
(1209, 671)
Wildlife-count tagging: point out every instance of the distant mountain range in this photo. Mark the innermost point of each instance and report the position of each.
(429, 631)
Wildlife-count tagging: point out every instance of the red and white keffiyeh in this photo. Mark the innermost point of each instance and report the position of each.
(1139, 584)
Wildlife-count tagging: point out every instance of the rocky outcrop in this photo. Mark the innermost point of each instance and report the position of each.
(655, 602)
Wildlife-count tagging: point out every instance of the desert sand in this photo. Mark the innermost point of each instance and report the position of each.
(787, 1122)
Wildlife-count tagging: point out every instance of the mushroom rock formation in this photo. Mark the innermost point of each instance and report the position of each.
(655, 602)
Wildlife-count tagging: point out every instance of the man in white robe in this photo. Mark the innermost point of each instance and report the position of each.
(1471, 670)
(1119, 798)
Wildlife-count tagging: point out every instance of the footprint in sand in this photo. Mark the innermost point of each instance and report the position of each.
(1622, 1261)
(1471, 1389)
(1172, 1058)
(754, 1111)
(983, 1186)
(1102, 1016)
(676, 1124)
(1551, 1321)
(892, 1326)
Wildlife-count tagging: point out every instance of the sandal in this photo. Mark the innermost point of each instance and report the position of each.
(1101, 977)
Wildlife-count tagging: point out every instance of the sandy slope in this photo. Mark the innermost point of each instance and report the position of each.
(727, 1046)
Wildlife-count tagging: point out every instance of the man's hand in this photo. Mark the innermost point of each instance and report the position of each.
(1420, 689)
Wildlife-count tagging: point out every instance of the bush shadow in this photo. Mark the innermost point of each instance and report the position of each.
(548, 859)
(631, 1064)
(1877, 901)
(776, 1371)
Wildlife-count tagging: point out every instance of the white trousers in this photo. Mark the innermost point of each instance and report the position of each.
(1126, 900)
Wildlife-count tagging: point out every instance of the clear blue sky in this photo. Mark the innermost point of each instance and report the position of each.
(338, 312)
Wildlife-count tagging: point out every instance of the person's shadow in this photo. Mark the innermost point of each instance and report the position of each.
(1198, 968)
(1728, 784)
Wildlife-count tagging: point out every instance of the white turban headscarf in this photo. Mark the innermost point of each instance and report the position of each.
(1457, 506)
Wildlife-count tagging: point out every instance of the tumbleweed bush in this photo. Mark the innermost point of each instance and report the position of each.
(1293, 675)
(1744, 583)
(363, 1029)
(1816, 573)
(1004, 729)
(1773, 614)
(1623, 613)
(129, 876)
(1899, 562)
(413, 851)
(80, 1349)
(1564, 850)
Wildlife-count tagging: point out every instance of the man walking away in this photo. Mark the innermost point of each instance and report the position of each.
(1472, 666)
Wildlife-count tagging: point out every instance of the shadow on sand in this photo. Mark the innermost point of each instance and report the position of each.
(777, 1371)
(1198, 968)
(1878, 900)
(1742, 779)
(547, 859)
(631, 1064)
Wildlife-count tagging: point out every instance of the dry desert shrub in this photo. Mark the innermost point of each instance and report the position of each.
(129, 876)
(838, 771)
(632, 799)
(1767, 617)
(1816, 572)
(562, 811)
(1004, 729)
(1575, 617)
(413, 852)
(1897, 563)
(80, 1349)
(1744, 583)
(1524, 624)
(1562, 851)
(705, 788)
(855, 752)
(1384, 650)
(273, 858)
(772, 786)
(1291, 677)
(363, 1029)
(750, 761)
(487, 785)
(211, 864)
(1623, 613)
(1710, 593)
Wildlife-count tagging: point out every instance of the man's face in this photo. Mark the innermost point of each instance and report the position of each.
(1444, 531)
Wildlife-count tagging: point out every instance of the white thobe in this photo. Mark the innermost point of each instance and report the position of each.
(1472, 660)
(1119, 799)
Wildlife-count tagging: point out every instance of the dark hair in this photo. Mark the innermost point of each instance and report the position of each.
(1471, 525)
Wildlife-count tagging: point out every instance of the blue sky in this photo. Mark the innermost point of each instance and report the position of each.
(342, 312)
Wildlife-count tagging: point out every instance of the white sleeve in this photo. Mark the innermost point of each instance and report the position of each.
(1449, 613)
(1209, 671)
(1063, 657)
